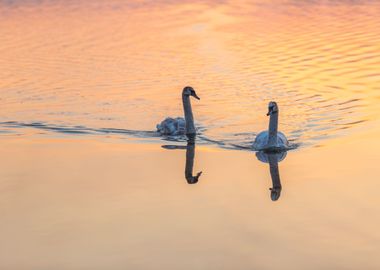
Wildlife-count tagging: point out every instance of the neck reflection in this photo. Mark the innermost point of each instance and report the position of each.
(273, 159)
(190, 156)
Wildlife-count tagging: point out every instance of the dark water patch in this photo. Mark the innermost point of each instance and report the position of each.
(174, 147)
(349, 101)
(352, 123)
(79, 129)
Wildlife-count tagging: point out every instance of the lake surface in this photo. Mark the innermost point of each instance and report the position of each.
(86, 184)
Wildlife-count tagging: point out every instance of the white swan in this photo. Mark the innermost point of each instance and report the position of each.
(271, 140)
(180, 126)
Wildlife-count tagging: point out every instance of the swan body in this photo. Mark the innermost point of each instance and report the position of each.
(261, 141)
(172, 126)
(271, 140)
(180, 126)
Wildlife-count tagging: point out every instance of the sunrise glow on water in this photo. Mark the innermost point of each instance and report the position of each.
(84, 83)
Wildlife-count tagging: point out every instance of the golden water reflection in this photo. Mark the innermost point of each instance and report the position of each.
(91, 203)
(122, 65)
(75, 193)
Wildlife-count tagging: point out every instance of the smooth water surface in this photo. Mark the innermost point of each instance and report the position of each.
(89, 204)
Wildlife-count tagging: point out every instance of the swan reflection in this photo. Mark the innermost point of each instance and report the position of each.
(273, 159)
(190, 155)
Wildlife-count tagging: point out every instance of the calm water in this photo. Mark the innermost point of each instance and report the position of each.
(114, 64)
(85, 183)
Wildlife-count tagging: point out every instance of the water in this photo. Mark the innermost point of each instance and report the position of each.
(119, 65)
(87, 183)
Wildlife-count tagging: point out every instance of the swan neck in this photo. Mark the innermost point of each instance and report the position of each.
(189, 119)
(273, 126)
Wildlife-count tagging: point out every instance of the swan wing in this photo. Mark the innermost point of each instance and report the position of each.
(261, 140)
(166, 126)
(180, 126)
(281, 139)
(172, 126)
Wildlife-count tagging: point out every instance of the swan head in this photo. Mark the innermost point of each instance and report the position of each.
(272, 108)
(189, 91)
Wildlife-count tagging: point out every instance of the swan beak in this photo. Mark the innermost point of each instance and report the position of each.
(195, 95)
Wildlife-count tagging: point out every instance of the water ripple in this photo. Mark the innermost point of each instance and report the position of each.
(123, 64)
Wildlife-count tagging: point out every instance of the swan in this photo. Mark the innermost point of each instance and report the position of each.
(179, 125)
(271, 140)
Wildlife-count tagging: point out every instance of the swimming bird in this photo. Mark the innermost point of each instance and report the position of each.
(271, 140)
(180, 126)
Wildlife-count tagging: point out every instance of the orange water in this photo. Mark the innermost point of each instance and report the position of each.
(113, 64)
(99, 204)
(81, 80)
